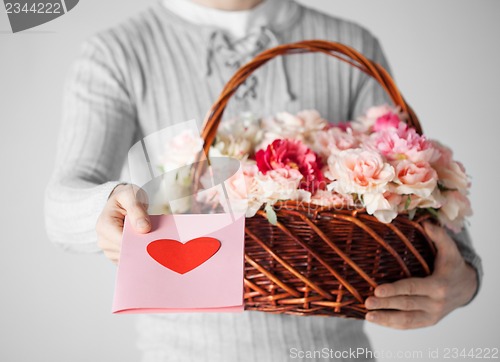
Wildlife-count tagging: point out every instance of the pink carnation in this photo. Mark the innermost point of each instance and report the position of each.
(292, 154)
(242, 182)
(417, 178)
(378, 118)
(334, 140)
(332, 199)
(388, 120)
(454, 211)
(359, 171)
(383, 206)
(286, 125)
(451, 173)
(403, 143)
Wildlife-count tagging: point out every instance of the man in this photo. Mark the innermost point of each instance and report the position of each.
(168, 65)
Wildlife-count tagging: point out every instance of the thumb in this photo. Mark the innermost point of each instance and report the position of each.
(134, 201)
(447, 250)
(438, 235)
(139, 218)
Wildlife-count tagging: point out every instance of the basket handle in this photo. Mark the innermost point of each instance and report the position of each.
(334, 49)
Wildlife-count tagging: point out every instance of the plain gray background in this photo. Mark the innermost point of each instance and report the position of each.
(55, 306)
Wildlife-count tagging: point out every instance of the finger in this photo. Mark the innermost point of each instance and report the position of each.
(134, 201)
(439, 236)
(112, 255)
(401, 319)
(109, 245)
(110, 226)
(109, 230)
(401, 302)
(447, 250)
(409, 286)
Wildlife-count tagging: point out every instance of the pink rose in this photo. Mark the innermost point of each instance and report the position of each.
(359, 171)
(292, 155)
(417, 178)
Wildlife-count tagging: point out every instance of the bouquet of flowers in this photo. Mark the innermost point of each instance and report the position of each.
(376, 163)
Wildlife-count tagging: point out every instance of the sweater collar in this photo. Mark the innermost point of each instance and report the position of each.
(235, 23)
(230, 53)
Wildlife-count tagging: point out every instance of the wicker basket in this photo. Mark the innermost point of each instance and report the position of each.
(316, 260)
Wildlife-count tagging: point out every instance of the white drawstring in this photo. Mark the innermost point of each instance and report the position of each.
(233, 54)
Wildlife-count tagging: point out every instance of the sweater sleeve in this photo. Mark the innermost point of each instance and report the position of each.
(466, 248)
(97, 130)
(369, 93)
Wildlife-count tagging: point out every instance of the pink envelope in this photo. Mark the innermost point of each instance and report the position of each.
(171, 269)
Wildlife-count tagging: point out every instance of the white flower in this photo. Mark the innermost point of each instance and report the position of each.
(182, 150)
(237, 137)
(411, 202)
(303, 127)
(230, 146)
(384, 208)
(279, 184)
(275, 185)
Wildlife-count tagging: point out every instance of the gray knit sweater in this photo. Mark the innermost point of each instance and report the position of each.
(158, 69)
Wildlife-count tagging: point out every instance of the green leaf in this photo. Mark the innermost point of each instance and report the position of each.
(407, 203)
(433, 212)
(271, 214)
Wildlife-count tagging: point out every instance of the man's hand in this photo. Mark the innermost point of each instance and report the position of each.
(421, 302)
(124, 200)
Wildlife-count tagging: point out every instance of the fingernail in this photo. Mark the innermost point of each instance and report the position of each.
(371, 303)
(380, 291)
(142, 223)
(371, 317)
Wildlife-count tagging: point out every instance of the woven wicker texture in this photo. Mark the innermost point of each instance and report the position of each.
(316, 260)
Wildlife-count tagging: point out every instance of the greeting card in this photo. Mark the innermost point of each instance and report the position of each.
(187, 263)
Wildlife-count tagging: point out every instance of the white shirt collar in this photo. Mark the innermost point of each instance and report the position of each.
(237, 23)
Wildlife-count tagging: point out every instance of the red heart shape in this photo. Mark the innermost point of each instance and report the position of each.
(180, 257)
